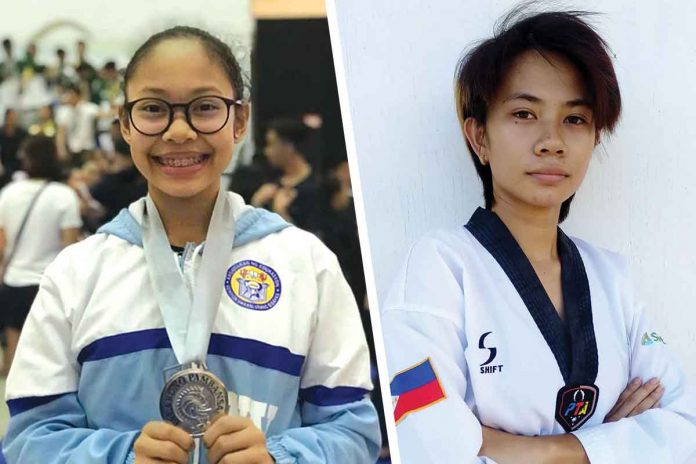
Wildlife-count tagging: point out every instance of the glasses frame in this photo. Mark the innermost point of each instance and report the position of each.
(173, 106)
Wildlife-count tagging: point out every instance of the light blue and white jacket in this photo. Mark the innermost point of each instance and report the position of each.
(287, 342)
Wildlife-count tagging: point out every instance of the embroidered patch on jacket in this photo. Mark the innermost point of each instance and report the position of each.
(575, 404)
(649, 339)
(253, 285)
(414, 389)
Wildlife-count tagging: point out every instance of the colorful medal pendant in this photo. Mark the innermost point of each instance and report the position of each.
(575, 404)
(191, 398)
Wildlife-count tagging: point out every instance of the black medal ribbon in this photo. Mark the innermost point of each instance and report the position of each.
(572, 343)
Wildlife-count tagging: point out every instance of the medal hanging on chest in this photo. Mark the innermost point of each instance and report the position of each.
(572, 343)
(193, 395)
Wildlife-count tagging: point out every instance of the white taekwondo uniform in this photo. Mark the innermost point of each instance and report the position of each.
(469, 315)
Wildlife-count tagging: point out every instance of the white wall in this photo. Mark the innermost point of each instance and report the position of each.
(415, 172)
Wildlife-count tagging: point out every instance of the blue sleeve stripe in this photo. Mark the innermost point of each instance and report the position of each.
(256, 352)
(19, 405)
(124, 343)
(326, 396)
(412, 378)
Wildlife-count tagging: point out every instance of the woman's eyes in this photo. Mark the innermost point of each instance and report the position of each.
(152, 108)
(523, 114)
(573, 120)
(576, 120)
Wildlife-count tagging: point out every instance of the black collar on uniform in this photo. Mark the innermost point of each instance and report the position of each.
(573, 344)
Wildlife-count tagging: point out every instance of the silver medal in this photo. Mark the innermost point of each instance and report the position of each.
(191, 398)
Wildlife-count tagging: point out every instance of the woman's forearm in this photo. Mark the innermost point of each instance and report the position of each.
(507, 448)
(564, 448)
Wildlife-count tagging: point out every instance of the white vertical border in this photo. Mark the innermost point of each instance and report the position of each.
(362, 228)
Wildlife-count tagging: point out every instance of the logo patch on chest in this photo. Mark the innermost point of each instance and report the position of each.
(487, 366)
(253, 285)
(575, 405)
(650, 339)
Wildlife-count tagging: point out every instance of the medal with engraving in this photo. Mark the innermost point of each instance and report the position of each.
(191, 398)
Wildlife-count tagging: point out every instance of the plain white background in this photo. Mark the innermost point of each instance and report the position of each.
(415, 173)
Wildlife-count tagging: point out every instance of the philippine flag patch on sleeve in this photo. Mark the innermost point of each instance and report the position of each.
(414, 389)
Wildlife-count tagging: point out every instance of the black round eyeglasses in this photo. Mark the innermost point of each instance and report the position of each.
(206, 115)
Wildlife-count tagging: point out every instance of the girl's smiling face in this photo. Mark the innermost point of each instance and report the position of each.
(182, 163)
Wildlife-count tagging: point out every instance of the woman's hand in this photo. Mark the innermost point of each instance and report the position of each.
(162, 442)
(638, 397)
(264, 194)
(235, 440)
(506, 448)
(282, 201)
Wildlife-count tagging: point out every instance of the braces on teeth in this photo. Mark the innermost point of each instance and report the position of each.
(181, 162)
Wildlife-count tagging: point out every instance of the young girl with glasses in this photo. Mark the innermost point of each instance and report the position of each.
(117, 364)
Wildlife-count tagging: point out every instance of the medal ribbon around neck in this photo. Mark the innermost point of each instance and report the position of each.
(189, 316)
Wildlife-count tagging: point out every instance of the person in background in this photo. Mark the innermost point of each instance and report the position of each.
(53, 223)
(106, 92)
(45, 124)
(295, 194)
(11, 136)
(107, 86)
(76, 119)
(340, 234)
(121, 185)
(82, 61)
(28, 66)
(61, 74)
(8, 67)
(247, 179)
(340, 229)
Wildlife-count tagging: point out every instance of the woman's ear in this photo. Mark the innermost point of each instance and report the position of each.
(476, 136)
(124, 124)
(241, 120)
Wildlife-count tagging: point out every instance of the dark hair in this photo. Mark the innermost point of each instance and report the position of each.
(60, 52)
(291, 130)
(72, 87)
(482, 70)
(40, 157)
(216, 49)
(121, 147)
(7, 43)
(110, 66)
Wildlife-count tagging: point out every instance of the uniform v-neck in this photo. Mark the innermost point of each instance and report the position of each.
(572, 339)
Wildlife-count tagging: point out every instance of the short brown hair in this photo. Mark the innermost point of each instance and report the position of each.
(481, 72)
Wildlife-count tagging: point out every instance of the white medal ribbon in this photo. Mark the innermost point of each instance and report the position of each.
(189, 316)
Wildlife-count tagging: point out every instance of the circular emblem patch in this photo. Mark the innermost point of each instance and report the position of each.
(253, 285)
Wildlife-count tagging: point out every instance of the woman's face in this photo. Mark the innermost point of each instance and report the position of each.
(181, 162)
(539, 134)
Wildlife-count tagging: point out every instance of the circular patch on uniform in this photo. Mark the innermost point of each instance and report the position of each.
(253, 285)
